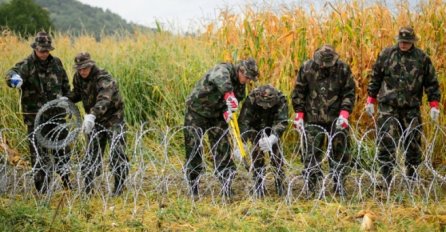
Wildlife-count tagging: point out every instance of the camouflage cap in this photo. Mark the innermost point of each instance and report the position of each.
(326, 56)
(406, 34)
(266, 96)
(250, 69)
(83, 60)
(42, 42)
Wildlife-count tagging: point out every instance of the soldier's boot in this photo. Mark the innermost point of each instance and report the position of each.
(259, 188)
(280, 188)
(411, 173)
(339, 186)
(311, 182)
(120, 177)
(193, 188)
(41, 182)
(226, 182)
(88, 184)
(66, 182)
(386, 172)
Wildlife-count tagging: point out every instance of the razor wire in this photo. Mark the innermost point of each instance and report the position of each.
(157, 160)
(62, 118)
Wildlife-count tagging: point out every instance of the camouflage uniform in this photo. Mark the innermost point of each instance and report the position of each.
(100, 96)
(43, 81)
(204, 114)
(265, 111)
(398, 79)
(323, 88)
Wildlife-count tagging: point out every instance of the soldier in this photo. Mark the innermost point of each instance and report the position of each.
(103, 104)
(324, 96)
(42, 78)
(208, 110)
(263, 119)
(398, 78)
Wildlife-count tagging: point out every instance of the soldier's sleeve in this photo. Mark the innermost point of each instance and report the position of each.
(221, 77)
(76, 94)
(20, 68)
(348, 91)
(377, 75)
(281, 120)
(299, 92)
(106, 90)
(430, 81)
(246, 114)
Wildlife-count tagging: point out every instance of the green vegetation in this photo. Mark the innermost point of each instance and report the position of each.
(24, 17)
(156, 71)
(68, 16)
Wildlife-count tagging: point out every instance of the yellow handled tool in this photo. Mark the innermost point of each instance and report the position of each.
(233, 124)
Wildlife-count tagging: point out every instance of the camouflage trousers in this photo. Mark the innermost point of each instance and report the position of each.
(398, 126)
(41, 160)
(277, 161)
(195, 127)
(119, 163)
(337, 152)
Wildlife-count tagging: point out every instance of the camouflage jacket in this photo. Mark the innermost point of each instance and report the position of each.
(322, 93)
(100, 96)
(398, 78)
(254, 117)
(43, 81)
(206, 98)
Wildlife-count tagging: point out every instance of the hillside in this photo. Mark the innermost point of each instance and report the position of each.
(76, 18)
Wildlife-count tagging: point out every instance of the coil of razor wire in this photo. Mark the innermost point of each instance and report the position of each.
(64, 120)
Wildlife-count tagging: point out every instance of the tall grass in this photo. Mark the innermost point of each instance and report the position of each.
(156, 71)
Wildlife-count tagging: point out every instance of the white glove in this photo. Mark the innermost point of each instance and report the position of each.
(231, 101)
(63, 102)
(266, 143)
(237, 154)
(88, 124)
(16, 81)
(434, 113)
(370, 109)
(341, 123)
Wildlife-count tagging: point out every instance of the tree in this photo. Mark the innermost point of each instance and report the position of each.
(24, 17)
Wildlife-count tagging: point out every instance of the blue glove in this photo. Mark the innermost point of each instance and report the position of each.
(16, 81)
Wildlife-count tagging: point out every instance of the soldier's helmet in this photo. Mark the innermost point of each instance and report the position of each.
(42, 42)
(266, 96)
(326, 56)
(249, 68)
(83, 60)
(406, 34)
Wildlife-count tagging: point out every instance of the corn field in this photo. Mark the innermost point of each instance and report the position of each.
(157, 71)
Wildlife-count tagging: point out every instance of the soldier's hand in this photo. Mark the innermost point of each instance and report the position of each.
(263, 144)
(227, 115)
(370, 106)
(434, 113)
(88, 124)
(231, 101)
(299, 121)
(16, 81)
(370, 109)
(342, 121)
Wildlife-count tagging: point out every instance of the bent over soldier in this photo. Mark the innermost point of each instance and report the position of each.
(398, 79)
(323, 98)
(263, 119)
(42, 78)
(208, 110)
(104, 121)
